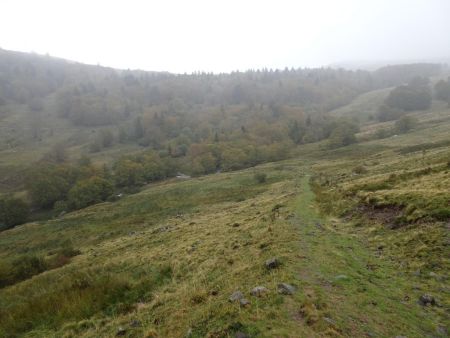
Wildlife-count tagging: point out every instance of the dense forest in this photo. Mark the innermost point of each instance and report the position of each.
(193, 124)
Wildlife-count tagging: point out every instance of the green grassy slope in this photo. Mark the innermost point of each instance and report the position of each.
(26, 137)
(361, 242)
(364, 107)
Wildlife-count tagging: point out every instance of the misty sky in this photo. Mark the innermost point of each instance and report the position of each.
(221, 36)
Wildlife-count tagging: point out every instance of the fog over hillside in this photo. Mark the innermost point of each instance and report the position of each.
(200, 35)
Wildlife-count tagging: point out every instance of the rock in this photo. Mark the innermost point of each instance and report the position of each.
(135, 323)
(272, 263)
(121, 331)
(259, 291)
(341, 278)
(236, 296)
(426, 300)
(286, 289)
(240, 334)
(329, 320)
(442, 330)
(244, 302)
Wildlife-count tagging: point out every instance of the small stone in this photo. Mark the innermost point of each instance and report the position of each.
(121, 331)
(286, 289)
(259, 291)
(426, 300)
(244, 302)
(236, 296)
(135, 323)
(442, 330)
(272, 263)
(236, 225)
(329, 320)
(341, 278)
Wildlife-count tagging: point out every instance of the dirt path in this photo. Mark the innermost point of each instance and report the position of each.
(347, 290)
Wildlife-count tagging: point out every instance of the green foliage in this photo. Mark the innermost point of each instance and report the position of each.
(21, 268)
(415, 96)
(442, 90)
(50, 183)
(405, 124)
(260, 177)
(89, 191)
(343, 135)
(384, 133)
(81, 296)
(128, 173)
(57, 154)
(28, 266)
(13, 211)
(388, 113)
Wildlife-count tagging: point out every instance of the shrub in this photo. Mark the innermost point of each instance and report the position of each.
(50, 183)
(13, 211)
(28, 266)
(343, 135)
(89, 191)
(128, 173)
(359, 170)
(442, 214)
(260, 177)
(409, 98)
(405, 124)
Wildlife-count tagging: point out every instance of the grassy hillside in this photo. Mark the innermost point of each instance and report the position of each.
(360, 251)
(365, 107)
(346, 238)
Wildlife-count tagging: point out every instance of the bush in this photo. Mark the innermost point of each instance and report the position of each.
(383, 133)
(409, 98)
(50, 183)
(13, 211)
(343, 135)
(405, 124)
(89, 191)
(442, 214)
(260, 177)
(27, 266)
(128, 173)
(387, 113)
(442, 90)
(360, 170)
